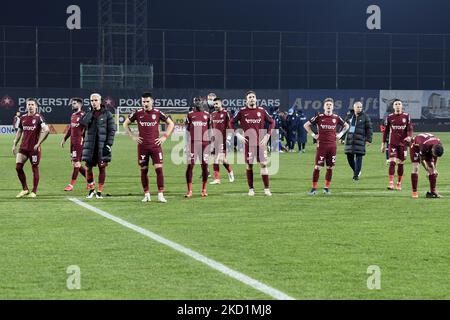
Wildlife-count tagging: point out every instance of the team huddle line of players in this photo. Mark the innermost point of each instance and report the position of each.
(92, 135)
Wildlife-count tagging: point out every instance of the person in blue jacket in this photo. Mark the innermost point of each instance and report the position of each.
(302, 135)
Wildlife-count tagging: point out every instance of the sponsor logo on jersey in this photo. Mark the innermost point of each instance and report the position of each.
(29, 128)
(199, 123)
(147, 124)
(253, 121)
(327, 127)
(399, 127)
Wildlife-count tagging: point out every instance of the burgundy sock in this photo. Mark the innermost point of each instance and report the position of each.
(35, 178)
(250, 177)
(101, 175)
(316, 175)
(144, 180)
(22, 176)
(400, 170)
(189, 172)
(216, 168)
(391, 168)
(83, 171)
(227, 167)
(205, 174)
(89, 175)
(160, 179)
(329, 175)
(265, 179)
(414, 181)
(432, 178)
(75, 174)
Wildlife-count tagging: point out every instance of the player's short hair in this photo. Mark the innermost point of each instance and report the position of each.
(438, 150)
(396, 100)
(76, 99)
(147, 95)
(217, 99)
(33, 100)
(328, 100)
(249, 93)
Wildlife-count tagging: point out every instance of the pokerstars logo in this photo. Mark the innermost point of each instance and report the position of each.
(148, 124)
(109, 102)
(399, 127)
(7, 102)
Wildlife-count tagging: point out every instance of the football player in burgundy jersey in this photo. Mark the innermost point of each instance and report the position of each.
(425, 149)
(76, 135)
(220, 123)
(33, 131)
(197, 148)
(252, 120)
(150, 143)
(398, 132)
(326, 123)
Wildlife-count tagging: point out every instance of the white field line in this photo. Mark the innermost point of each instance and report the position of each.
(196, 256)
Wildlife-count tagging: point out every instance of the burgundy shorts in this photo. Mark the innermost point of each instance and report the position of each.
(397, 152)
(414, 154)
(253, 153)
(34, 156)
(76, 152)
(326, 154)
(198, 151)
(145, 154)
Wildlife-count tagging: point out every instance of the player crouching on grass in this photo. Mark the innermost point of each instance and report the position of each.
(326, 123)
(425, 149)
(76, 135)
(33, 131)
(97, 149)
(150, 143)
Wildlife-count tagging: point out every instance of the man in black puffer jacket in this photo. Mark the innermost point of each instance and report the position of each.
(358, 136)
(99, 138)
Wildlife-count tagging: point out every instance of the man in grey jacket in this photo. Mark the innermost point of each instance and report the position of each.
(99, 139)
(357, 138)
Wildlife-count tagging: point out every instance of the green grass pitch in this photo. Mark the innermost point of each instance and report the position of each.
(308, 248)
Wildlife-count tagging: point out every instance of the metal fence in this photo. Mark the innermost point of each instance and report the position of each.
(51, 57)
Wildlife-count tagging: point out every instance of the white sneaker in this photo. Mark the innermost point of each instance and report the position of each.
(216, 181)
(231, 176)
(91, 194)
(251, 193)
(161, 198)
(98, 195)
(267, 192)
(147, 198)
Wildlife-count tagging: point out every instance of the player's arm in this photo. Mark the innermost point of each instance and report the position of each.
(272, 124)
(42, 136)
(134, 137)
(16, 141)
(385, 135)
(410, 130)
(345, 128)
(234, 124)
(308, 128)
(67, 136)
(170, 128)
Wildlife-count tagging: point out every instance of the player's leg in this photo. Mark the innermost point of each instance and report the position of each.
(319, 164)
(432, 177)
(143, 162)
(400, 166)
(393, 158)
(216, 166)
(415, 179)
(35, 160)
(101, 178)
(330, 160)
(190, 157)
(204, 163)
(227, 167)
(157, 158)
(20, 162)
(351, 163)
(249, 159)
(263, 160)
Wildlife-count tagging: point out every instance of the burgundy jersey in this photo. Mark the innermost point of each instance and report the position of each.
(424, 142)
(148, 125)
(326, 127)
(252, 122)
(220, 122)
(398, 128)
(31, 127)
(76, 131)
(197, 125)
